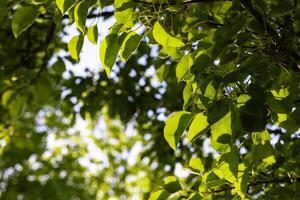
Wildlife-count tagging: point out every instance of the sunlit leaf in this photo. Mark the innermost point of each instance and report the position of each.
(80, 13)
(74, 46)
(221, 133)
(198, 126)
(124, 11)
(175, 126)
(184, 66)
(64, 5)
(196, 165)
(164, 38)
(109, 50)
(92, 34)
(171, 184)
(129, 45)
(159, 195)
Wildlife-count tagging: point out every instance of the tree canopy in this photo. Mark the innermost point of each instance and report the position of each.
(194, 99)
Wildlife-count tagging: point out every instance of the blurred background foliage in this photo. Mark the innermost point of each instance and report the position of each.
(65, 136)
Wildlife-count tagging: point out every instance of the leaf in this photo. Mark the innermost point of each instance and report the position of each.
(243, 179)
(129, 45)
(116, 28)
(80, 13)
(227, 166)
(263, 153)
(221, 133)
(74, 46)
(260, 137)
(109, 51)
(187, 95)
(171, 184)
(253, 115)
(183, 67)
(162, 72)
(198, 126)
(164, 38)
(7, 97)
(103, 3)
(194, 196)
(92, 34)
(124, 12)
(196, 164)
(175, 126)
(159, 195)
(217, 111)
(23, 18)
(64, 5)
(58, 68)
(210, 180)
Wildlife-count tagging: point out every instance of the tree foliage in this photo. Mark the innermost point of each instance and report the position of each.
(226, 72)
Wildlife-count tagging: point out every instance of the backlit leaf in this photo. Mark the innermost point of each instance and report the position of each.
(196, 164)
(198, 126)
(124, 11)
(129, 45)
(92, 34)
(164, 38)
(80, 13)
(74, 46)
(159, 195)
(64, 5)
(221, 133)
(184, 66)
(109, 51)
(175, 126)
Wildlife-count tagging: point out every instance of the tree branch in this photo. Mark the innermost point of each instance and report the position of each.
(278, 180)
(259, 17)
(174, 3)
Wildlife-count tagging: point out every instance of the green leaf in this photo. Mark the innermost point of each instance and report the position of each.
(162, 72)
(103, 3)
(109, 50)
(242, 99)
(187, 95)
(198, 126)
(58, 67)
(194, 196)
(124, 12)
(196, 164)
(7, 97)
(159, 195)
(218, 111)
(116, 28)
(253, 115)
(171, 184)
(74, 46)
(80, 13)
(260, 137)
(183, 67)
(243, 179)
(164, 38)
(263, 153)
(175, 126)
(227, 166)
(92, 34)
(64, 5)
(23, 18)
(221, 133)
(210, 180)
(129, 45)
